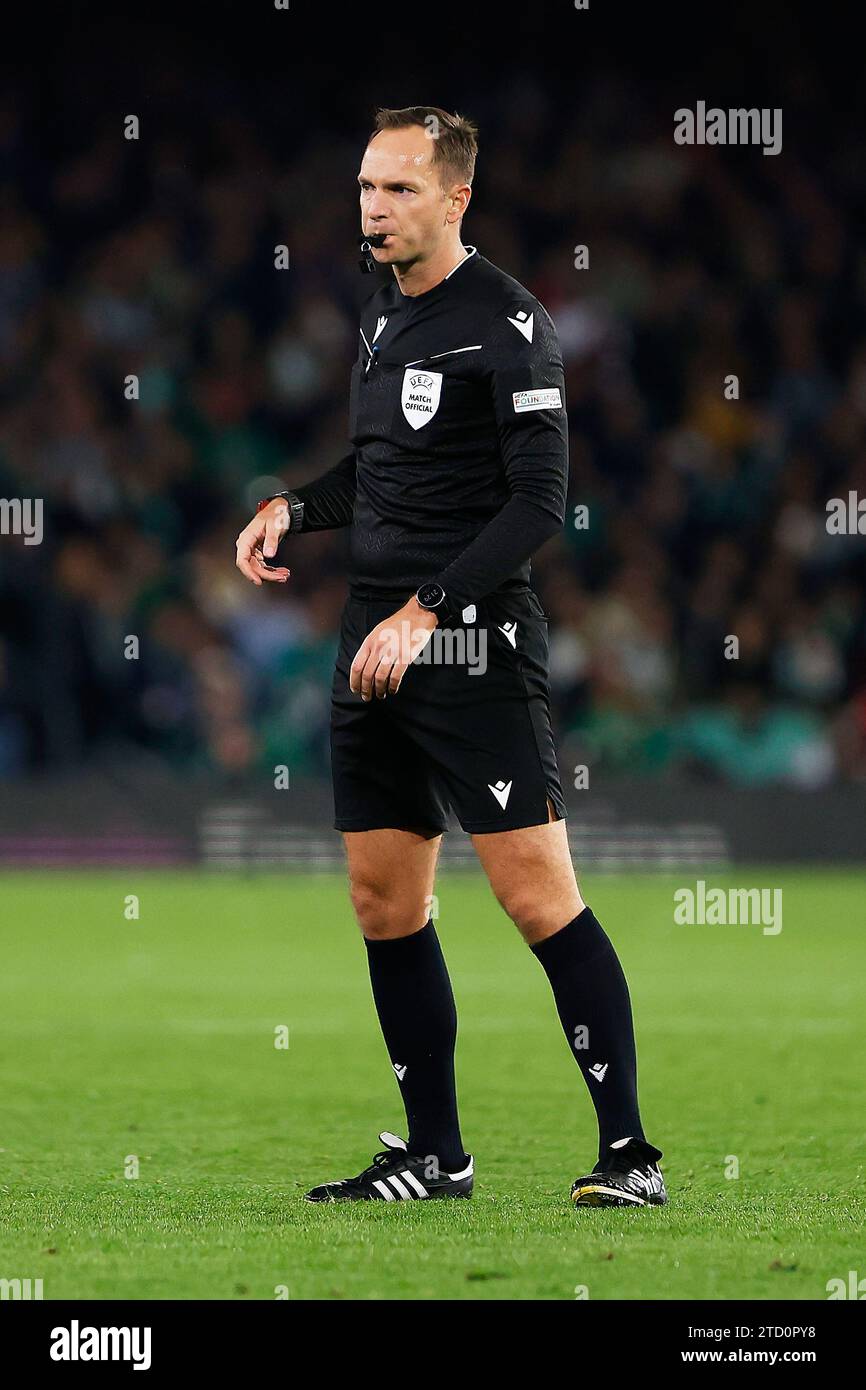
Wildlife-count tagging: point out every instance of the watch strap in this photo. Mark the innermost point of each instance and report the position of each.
(296, 508)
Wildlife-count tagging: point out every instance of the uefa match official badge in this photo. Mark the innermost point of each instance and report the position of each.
(420, 398)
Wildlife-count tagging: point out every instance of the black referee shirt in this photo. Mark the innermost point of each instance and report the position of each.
(457, 417)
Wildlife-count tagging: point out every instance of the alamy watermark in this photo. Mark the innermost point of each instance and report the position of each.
(854, 1287)
(23, 1289)
(77, 1343)
(447, 646)
(846, 516)
(720, 907)
(22, 516)
(737, 126)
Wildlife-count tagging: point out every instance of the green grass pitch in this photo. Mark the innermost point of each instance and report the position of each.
(154, 1040)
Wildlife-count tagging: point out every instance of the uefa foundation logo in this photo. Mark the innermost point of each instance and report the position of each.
(444, 646)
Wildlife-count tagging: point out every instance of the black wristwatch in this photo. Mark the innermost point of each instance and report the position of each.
(434, 598)
(296, 508)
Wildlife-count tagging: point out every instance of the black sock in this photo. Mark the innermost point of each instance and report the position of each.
(593, 1004)
(416, 1010)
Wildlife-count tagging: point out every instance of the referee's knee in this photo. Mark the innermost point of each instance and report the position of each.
(539, 907)
(382, 914)
(530, 917)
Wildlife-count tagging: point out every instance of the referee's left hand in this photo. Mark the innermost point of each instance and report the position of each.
(385, 654)
(258, 541)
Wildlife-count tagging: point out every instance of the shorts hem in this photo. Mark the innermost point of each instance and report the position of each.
(370, 823)
(486, 827)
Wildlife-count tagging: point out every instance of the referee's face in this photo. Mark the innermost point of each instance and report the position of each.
(402, 196)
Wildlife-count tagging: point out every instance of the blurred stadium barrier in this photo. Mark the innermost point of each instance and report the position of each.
(161, 822)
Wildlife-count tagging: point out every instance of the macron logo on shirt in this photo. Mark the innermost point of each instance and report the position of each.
(523, 323)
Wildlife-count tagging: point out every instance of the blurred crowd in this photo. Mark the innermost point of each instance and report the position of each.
(716, 377)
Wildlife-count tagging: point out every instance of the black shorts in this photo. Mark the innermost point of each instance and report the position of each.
(469, 730)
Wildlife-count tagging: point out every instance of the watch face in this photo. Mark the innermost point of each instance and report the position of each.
(430, 595)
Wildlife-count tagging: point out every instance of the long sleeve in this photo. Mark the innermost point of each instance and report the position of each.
(528, 389)
(329, 501)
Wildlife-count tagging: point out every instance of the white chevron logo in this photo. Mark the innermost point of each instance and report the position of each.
(401, 1071)
(523, 323)
(599, 1070)
(380, 324)
(510, 631)
(501, 791)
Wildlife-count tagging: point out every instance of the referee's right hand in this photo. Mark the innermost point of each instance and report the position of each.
(257, 543)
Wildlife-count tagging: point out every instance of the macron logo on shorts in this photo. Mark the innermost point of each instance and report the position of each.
(501, 791)
(548, 398)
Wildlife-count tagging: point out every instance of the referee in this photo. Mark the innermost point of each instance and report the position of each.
(457, 475)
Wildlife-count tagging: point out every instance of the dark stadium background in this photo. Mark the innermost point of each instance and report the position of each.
(707, 516)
